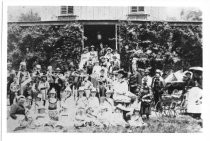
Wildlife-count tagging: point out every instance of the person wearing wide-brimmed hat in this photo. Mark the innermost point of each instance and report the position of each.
(58, 83)
(108, 54)
(43, 88)
(23, 77)
(121, 88)
(82, 100)
(93, 101)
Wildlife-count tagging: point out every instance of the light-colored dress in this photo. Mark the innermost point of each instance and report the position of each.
(43, 87)
(194, 100)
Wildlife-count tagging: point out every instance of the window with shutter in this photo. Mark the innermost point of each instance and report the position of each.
(67, 10)
(63, 10)
(140, 8)
(70, 10)
(135, 9)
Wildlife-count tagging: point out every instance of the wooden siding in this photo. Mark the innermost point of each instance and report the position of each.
(101, 13)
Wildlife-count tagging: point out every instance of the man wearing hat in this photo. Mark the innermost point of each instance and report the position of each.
(58, 83)
(23, 77)
(135, 81)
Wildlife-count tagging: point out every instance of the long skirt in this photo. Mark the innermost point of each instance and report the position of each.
(145, 108)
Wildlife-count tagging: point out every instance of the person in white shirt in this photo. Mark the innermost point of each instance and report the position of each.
(84, 58)
(96, 69)
(121, 89)
(147, 78)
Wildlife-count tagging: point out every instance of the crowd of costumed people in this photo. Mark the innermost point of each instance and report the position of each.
(97, 93)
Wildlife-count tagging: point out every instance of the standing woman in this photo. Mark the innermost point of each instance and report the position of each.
(146, 99)
(43, 88)
(157, 88)
(23, 77)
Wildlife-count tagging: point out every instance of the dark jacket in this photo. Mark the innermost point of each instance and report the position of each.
(16, 109)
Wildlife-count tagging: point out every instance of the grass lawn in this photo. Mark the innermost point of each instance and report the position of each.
(181, 124)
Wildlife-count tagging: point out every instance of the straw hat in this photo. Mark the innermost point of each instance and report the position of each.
(38, 66)
(123, 73)
(23, 63)
(57, 69)
(49, 67)
(81, 89)
(68, 88)
(102, 57)
(93, 90)
(52, 91)
(109, 49)
(109, 91)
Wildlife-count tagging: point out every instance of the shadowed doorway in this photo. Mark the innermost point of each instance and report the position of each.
(97, 34)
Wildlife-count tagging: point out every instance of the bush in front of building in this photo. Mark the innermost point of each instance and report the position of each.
(163, 46)
(59, 46)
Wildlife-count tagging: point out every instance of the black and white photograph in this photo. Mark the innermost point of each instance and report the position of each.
(104, 69)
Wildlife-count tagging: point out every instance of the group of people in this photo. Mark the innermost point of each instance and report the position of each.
(99, 93)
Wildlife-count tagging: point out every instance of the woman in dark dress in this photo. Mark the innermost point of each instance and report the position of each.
(146, 99)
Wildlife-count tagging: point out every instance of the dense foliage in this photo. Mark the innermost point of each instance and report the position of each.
(59, 46)
(158, 45)
(155, 44)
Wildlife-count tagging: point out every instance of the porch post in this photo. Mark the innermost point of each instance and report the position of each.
(116, 36)
(83, 37)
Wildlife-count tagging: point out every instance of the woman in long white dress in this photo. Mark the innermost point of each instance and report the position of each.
(194, 101)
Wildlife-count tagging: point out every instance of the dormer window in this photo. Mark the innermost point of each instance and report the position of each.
(67, 10)
(136, 9)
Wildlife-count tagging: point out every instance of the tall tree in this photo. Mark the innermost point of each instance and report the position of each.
(191, 15)
(29, 17)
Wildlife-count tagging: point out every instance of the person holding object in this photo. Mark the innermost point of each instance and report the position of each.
(23, 77)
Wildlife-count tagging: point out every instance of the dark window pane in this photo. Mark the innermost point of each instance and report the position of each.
(134, 9)
(63, 9)
(141, 8)
(70, 9)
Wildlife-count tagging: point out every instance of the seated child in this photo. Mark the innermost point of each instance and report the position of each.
(136, 120)
(117, 117)
(93, 101)
(91, 118)
(82, 100)
(80, 118)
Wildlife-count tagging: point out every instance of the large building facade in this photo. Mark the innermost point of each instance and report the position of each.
(97, 21)
(110, 13)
